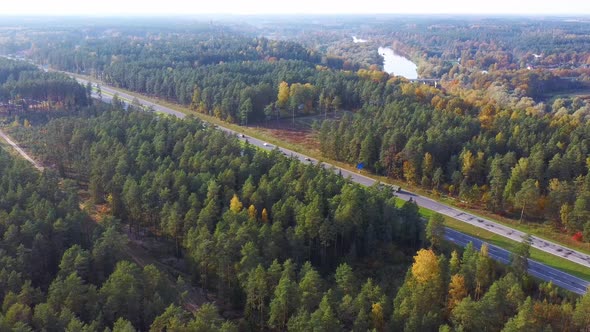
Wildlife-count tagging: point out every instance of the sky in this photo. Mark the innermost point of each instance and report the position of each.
(247, 7)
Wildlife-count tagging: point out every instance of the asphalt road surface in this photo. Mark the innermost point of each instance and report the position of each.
(536, 269)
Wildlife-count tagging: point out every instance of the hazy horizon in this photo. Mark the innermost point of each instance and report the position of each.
(304, 7)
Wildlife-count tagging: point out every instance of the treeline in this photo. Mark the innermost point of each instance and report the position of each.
(247, 92)
(490, 44)
(232, 77)
(236, 92)
(289, 245)
(23, 85)
(536, 84)
(174, 49)
(60, 272)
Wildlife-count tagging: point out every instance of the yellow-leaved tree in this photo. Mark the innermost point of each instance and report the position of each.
(235, 205)
(283, 96)
(252, 212)
(425, 267)
(457, 291)
(377, 317)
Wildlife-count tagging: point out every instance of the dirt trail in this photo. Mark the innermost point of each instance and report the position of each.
(194, 297)
(20, 151)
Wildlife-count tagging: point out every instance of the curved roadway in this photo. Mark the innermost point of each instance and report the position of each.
(536, 269)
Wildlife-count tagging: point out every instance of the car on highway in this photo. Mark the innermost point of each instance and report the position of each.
(307, 159)
(392, 188)
(266, 144)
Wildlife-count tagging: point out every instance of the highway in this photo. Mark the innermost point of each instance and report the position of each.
(536, 269)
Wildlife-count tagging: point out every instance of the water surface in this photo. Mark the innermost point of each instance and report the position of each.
(397, 65)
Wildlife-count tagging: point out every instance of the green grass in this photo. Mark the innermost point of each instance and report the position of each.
(8, 148)
(540, 230)
(503, 242)
(500, 241)
(536, 254)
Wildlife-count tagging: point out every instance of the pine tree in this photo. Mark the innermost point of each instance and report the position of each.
(525, 320)
(283, 304)
(581, 318)
(324, 319)
(519, 257)
(310, 288)
(257, 292)
(264, 216)
(457, 291)
(435, 231)
(235, 205)
(484, 272)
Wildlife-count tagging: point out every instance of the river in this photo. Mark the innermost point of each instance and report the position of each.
(397, 64)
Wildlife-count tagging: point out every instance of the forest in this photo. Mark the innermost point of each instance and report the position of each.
(61, 272)
(281, 244)
(483, 139)
(23, 86)
(275, 244)
(511, 162)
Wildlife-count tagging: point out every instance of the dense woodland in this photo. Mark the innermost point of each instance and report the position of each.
(482, 138)
(22, 86)
(277, 244)
(60, 272)
(289, 246)
(510, 161)
(234, 78)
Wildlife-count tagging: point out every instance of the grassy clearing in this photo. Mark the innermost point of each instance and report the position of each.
(8, 148)
(537, 230)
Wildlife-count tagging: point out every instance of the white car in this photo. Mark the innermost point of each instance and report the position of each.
(266, 144)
